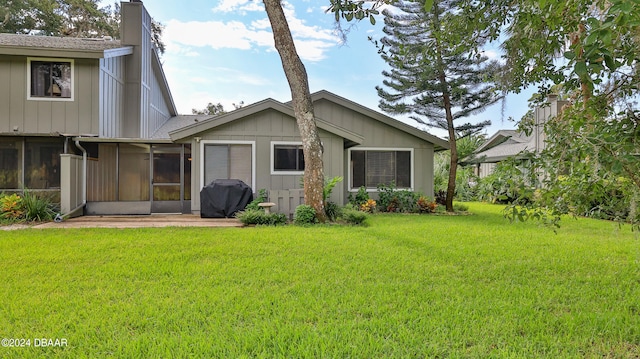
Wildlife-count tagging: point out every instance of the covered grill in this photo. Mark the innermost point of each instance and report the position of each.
(222, 198)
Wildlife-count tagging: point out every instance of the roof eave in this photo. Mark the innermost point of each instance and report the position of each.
(64, 53)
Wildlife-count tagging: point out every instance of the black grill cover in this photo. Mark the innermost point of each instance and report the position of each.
(222, 198)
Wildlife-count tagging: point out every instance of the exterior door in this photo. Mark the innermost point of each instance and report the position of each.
(168, 179)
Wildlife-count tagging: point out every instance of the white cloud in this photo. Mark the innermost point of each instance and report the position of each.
(215, 34)
(228, 75)
(241, 6)
(311, 41)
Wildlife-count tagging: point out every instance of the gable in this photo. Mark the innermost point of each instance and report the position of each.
(376, 127)
(280, 118)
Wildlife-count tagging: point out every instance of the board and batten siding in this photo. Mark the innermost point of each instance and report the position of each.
(20, 115)
(380, 135)
(262, 129)
(112, 99)
(158, 108)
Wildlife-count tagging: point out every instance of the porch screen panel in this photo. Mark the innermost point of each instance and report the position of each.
(102, 173)
(187, 172)
(42, 163)
(10, 160)
(133, 171)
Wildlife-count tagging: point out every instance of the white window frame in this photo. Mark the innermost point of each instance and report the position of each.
(350, 166)
(231, 142)
(273, 150)
(49, 59)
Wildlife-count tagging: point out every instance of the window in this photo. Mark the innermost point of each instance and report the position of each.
(373, 167)
(228, 161)
(50, 79)
(287, 158)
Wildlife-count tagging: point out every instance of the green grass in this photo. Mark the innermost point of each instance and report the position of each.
(405, 286)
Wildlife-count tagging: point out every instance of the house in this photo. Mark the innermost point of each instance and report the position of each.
(93, 122)
(261, 145)
(514, 144)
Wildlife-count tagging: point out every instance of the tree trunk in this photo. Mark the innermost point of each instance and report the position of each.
(302, 107)
(446, 101)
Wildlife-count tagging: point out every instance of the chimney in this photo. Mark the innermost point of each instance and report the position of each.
(135, 31)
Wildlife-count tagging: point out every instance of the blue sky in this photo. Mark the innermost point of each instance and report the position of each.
(222, 51)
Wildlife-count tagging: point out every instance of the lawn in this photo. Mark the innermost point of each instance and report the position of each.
(413, 286)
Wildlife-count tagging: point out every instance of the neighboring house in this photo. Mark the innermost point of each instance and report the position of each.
(93, 122)
(514, 144)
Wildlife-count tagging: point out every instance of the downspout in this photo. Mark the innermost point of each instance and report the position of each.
(61, 217)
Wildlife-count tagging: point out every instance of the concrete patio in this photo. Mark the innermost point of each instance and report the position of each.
(154, 220)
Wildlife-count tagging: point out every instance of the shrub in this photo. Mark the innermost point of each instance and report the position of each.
(329, 185)
(11, 207)
(262, 197)
(362, 196)
(510, 181)
(353, 216)
(369, 206)
(304, 215)
(425, 205)
(37, 208)
(459, 207)
(332, 210)
(394, 200)
(441, 197)
(258, 217)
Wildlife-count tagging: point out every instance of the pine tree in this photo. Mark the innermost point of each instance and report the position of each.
(438, 75)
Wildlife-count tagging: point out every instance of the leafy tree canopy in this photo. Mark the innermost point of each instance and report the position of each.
(77, 18)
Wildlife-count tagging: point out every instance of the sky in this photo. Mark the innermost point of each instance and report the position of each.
(222, 51)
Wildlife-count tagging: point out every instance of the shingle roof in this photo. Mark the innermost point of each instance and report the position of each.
(504, 144)
(18, 44)
(176, 123)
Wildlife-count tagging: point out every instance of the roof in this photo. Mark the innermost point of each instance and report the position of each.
(34, 45)
(439, 143)
(286, 108)
(268, 104)
(502, 145)
(176, 123)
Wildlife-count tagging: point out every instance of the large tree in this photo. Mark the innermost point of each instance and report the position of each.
(592, 49)
(76, 18)
(437, 75)
(296, 75)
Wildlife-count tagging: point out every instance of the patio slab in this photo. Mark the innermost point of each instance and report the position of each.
(146, 221)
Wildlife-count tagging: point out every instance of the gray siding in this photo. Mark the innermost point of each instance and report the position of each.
(79, 116)
(158, 109)
(263, 128)
(145, 107)
(381, 135)
(112, 99)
